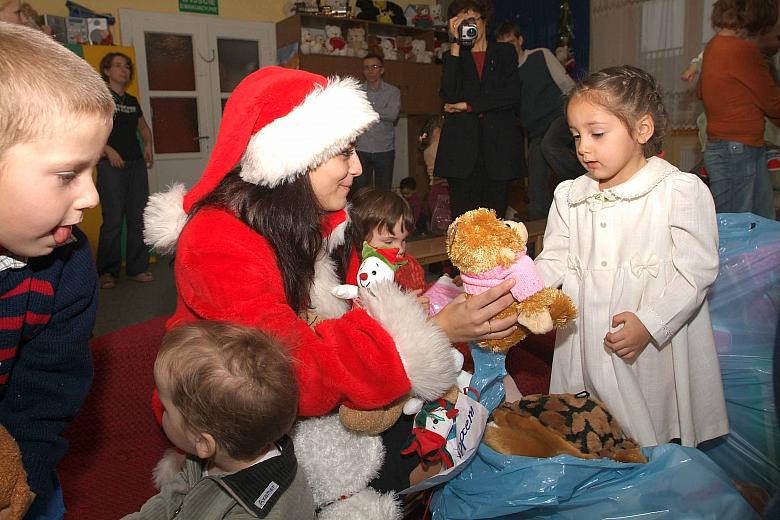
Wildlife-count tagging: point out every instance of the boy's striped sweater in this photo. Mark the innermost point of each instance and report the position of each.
(47, 312)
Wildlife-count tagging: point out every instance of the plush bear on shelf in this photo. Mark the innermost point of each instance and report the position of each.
(356, 42)
(419, 54)
(388, 49)
(335, 43)
(307, 40)
(14, 491)
(488, 251)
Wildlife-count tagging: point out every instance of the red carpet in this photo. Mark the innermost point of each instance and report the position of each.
(115, 442)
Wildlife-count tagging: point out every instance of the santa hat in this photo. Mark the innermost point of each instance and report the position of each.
(278, 124)
(388, 255)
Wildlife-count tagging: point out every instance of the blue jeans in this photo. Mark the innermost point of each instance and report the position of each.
(51, 509)
(739, 179)
(377, 169)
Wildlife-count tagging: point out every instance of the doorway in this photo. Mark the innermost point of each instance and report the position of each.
(187, 66)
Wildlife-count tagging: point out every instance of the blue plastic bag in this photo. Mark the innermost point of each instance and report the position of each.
(676, 483)
(744, 306)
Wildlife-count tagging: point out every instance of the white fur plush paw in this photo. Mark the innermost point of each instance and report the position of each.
(539, 323)
(169, 465)
(368, 504)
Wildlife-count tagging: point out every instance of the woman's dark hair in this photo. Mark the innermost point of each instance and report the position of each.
(750, 17)
(483, 7)
(288, 216)
(108, 60)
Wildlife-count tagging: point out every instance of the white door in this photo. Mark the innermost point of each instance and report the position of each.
(187, 67)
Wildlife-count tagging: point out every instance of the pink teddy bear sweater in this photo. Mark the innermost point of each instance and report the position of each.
(522, 270)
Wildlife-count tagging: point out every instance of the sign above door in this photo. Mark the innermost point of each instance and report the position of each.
(199, 6)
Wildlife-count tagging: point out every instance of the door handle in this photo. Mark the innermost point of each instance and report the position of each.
(201, 137)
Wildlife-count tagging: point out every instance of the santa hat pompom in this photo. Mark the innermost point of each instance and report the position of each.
(164, 218)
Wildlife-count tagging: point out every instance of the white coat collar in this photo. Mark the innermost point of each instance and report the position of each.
(643, 181)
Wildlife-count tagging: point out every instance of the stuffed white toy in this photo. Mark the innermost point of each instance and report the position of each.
(335, 43)
(388, 49)
(420, 55)
(377, 265)
(318, 46)
(339, 464)
(356, 42)
(307, 40)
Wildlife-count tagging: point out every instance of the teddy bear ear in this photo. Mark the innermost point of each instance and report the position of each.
(519, 228)
(451, 231)
(507, 255)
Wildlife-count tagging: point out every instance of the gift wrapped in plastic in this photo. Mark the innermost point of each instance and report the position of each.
(744, 306)
(441, 293)
(676, 482)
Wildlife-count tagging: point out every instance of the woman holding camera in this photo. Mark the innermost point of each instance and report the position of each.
(480, 151)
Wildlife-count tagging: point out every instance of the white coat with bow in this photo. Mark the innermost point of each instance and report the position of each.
(647, 246)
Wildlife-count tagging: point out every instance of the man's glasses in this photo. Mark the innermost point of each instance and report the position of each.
(371, 67)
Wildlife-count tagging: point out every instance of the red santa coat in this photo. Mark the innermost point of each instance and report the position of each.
(232, 274)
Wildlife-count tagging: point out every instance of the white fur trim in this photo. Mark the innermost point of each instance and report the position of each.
(327, 121)
(337, 236)
(424, 348)
(337, 462)
(168, 466)
(164, 218)
(323, 302)
(368, 504)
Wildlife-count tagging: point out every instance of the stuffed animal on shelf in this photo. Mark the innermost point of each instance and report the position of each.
(548, 425)
(436, 16)
(356, 42)
(307, 40)
(339, 475)
(423, 18)
(318, 46)
(487, 251)
(419, 54)
(14, 491)
(388, 49)
(383, 12)
(335, 43)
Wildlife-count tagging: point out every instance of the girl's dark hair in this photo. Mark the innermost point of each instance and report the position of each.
(750, 17)
(108, 60)
(373, 208)
(629, 93)
(288, 216)
(483, 7)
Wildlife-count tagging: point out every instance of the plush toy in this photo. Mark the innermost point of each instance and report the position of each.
(335, 43)
(318, 46)
(14, 491)
(423, 18)
(356, 42)
(388, 49)
(487, 251)
(436, 16)
(383, 12)
(419, 54)
(565, 56)
(439, 48)
(339, 475)
(307, 40)
(403, 48)
(432, 429)
(376, 265)
(549, 425)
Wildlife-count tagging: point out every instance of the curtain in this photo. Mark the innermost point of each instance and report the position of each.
(660, 36)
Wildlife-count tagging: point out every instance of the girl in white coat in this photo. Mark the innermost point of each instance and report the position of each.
(635, 243)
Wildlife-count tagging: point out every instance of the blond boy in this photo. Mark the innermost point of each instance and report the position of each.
(230, 398)
(55, 117)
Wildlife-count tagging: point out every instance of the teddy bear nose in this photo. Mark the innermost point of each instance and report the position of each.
(363, 276)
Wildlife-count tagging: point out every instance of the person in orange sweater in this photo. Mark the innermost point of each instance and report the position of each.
(738, 91)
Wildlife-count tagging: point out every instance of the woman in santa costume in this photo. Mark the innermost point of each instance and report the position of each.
(259, 240)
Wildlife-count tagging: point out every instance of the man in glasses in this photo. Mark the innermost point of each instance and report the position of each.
(376, 147)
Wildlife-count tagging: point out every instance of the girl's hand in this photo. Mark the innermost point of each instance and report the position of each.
(461, 106)
(689, 74)
(470, 319)
(629, 341)
(148, 156)
(422, 301)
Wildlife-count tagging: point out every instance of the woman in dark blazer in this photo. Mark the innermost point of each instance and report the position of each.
(480, 151)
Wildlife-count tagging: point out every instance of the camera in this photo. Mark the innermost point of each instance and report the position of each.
(467, 32)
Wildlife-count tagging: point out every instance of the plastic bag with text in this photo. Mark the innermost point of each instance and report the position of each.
(677, 482)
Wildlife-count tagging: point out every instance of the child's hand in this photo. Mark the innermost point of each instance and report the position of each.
(460, 106)
(629, 341)
(422, 301)
(689, 74)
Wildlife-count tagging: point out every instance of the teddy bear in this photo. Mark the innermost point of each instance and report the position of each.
(548, 425)
(423, 18)
(339, 476)
(436, 16)
(14, 491)
(487, 251)
(335, 43)
(318, 45)
(356, 42)
(307, 40)
(388, 49)
(420, 55)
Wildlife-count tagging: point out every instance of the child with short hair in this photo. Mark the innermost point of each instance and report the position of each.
(384, 219)
(408, 190)
(230, 398)
(634, 242)
(55, 117)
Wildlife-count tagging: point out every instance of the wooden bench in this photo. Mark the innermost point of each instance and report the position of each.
(429, 250)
